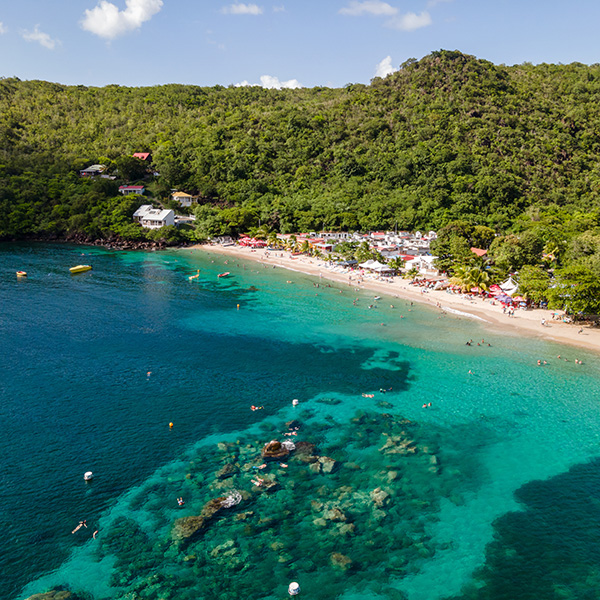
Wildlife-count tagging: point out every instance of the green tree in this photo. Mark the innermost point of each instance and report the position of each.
(534, 282)
(576, 290)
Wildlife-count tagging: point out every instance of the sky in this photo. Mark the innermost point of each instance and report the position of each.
(279, 43)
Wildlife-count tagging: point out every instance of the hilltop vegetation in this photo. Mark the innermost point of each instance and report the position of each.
(446, 138)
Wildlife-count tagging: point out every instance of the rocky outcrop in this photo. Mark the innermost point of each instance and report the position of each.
(274, 450)
(188, 528)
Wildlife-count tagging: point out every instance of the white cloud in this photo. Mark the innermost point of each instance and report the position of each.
(410, 21)
(242, 9)
(384, 68)
(369, 7)
(107, 21)
(3, 29)
(39, 36)
(267, 81)
(272, 83)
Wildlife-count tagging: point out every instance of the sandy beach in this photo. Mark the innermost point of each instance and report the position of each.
(524, 322)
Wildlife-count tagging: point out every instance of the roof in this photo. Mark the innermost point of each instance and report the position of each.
(142, 210)
(95, 168)
(141, 155)
(479, 251)
(157, 214)
(131, 187)
(181, 195)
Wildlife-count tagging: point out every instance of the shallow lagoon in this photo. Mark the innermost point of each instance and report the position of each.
(461, 516)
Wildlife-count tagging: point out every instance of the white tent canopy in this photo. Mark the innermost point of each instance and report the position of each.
(509, 286)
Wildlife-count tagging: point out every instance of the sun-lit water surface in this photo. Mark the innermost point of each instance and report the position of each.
(76, 395)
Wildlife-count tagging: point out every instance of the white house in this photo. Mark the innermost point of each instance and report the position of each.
(153, 218)
(424, 264)
(183, 198)
(131, 189)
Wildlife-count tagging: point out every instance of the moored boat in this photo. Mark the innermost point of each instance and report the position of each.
(223, 274)
(80, 269)
(21, 274)
(88, 476)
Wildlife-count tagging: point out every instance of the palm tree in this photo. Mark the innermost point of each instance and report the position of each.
(292, 243)
(396, 263)
(305, 247)
(479, 278)
(273, 240)
(461, 277)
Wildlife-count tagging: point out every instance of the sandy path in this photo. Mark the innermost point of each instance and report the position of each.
(525, 322)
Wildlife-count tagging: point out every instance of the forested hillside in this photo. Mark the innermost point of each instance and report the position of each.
(447, 137)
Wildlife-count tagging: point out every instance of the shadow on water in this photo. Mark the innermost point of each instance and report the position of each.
(550, 549)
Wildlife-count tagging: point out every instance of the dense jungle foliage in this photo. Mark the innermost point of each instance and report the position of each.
(501, 157)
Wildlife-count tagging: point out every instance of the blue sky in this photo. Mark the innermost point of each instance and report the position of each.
(278, 43)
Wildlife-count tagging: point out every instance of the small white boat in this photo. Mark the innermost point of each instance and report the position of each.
(88, 476)
(377, 298)
(295, 402)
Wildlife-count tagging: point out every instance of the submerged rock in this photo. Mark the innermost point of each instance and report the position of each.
(327, 464)
(187, 527)
(341, 561)
(334, 514)
(397, 444)
(228, 470)
(380, 497)
(54, 595)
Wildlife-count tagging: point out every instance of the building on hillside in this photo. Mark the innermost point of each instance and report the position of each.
(131, 189)
(145, 156)
(184, 199)
(93, 171)
(153, 218)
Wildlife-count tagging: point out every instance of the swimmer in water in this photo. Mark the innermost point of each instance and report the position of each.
(81, 524)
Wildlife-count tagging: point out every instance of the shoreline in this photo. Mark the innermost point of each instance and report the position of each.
(525, 322)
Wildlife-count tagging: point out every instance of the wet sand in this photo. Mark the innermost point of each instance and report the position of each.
(524, 322)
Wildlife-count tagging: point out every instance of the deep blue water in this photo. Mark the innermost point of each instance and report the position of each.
(75, 395)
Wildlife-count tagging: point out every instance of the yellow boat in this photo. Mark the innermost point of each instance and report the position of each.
(80, 269)
(21, 274)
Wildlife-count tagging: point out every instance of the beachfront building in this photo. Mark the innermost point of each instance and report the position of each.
(131, 189)
(423, 264)
(153, 218)
(184, 199)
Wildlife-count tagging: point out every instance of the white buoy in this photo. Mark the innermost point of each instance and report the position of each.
(295, 402)
(88, 476)
(294, 588)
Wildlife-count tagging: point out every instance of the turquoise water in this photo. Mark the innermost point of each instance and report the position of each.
(492, 492)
